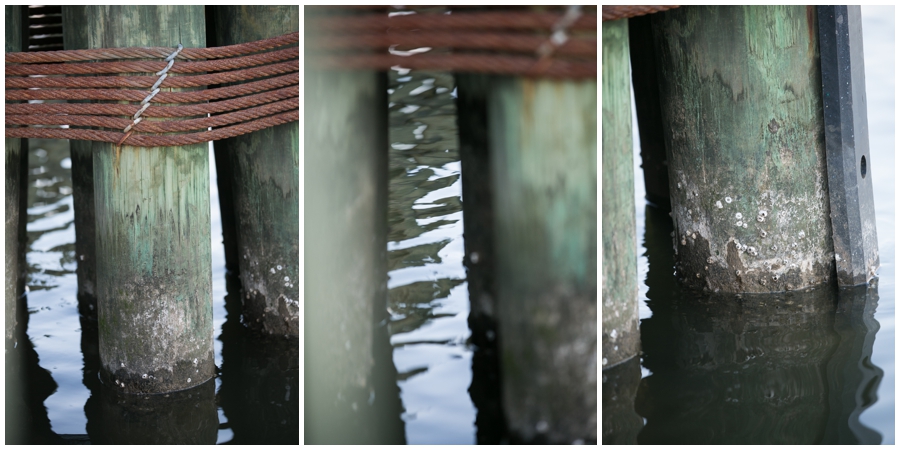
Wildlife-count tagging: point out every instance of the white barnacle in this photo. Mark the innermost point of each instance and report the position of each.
(794, 245)
(801, 234)
(189, 380)
(698, 275)
(745, 224)
(775, 278)
(693, 235)
(689, 212)
(763, 213)
(678, 185)
(195, 361)
(123, 364)
(727, 199)
(837, 257)
(144, 376)
(752, 250)
(737, 272)
(683, 241)
(738, 216)
(719, 204)
(710, 260)
(287, 278)
(278, 267)
(760, 218)
(762, 233)
(739, 223)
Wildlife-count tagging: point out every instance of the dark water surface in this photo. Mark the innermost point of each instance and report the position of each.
(60, 400)
(806, 367)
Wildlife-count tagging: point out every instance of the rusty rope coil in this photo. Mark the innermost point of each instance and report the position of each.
(552, 42)
(623, 12)
(263, 91)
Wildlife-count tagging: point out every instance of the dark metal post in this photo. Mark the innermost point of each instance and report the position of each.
(847, 144)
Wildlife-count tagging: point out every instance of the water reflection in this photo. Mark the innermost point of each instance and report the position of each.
(789, 368)
(427, 299)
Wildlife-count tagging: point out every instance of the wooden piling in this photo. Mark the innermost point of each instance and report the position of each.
(154, 279)
(621, 337)
(542, 140)
(75, 37)
(345, 245)
(13, 188)
(265, 189)
(741, 102)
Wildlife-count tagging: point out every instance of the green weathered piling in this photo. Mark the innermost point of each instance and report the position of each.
(621, 338)
(13, 185)
(265, 189)
(75, 37)
(345, 242)
(741, 102)
(154, 279)
(542, 140)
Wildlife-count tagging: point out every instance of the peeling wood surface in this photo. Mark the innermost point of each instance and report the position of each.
(742, 110)
(265, 188)
(154, 283)
(621, 337)
(543, 144)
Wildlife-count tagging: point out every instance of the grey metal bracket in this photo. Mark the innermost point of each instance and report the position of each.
(847, 144)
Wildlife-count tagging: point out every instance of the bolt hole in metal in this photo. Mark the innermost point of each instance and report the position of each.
(862, 166)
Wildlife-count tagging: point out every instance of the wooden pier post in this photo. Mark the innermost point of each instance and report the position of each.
(621, 337)
(345, 145)
(154, 279)
(741, 100)
(14, 156)
(265, 189)
(542, 140)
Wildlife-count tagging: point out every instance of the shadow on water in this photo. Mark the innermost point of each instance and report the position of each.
(785, 368)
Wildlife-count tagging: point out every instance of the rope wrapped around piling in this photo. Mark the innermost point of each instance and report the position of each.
(546, 42)
(263, 91)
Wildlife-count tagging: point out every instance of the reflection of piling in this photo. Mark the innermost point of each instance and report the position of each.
(265, 169)
(542, 142)
(621, 339)
(75, 37)
(345, 241)
(183, 417)
(742, 114)
(621, 423)
(152, 228)
(14, 157)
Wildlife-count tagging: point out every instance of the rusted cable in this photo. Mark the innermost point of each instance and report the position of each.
(497, 64)
(156, 141)
(162, 97)
(147, 81)
(265, 94)
(228, 51)
(544, 42)
(94, 109)
(240, 62)
(117, 123)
